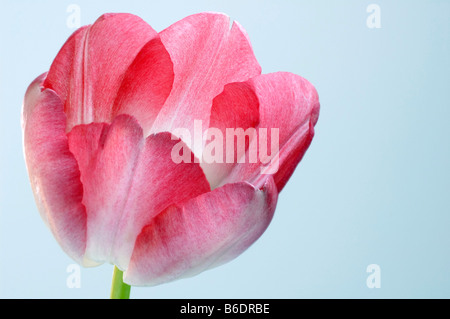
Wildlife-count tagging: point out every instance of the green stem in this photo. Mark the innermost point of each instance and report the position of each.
(119, 289)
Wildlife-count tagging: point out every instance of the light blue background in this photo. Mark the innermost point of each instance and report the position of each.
(374, 187)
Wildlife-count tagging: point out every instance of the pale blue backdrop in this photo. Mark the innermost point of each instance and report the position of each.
(374, 187)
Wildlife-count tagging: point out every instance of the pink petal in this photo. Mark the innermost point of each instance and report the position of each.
(289, 103)
(201, 233)
(126, 180)
(53, 170)
(146, 85)
(159, 182)
(89, 69)
(206, 55)
(236, 107)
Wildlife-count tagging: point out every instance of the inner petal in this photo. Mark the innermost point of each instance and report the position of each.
(234, 117)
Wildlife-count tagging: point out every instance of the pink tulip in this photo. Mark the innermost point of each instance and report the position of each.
(99, 132)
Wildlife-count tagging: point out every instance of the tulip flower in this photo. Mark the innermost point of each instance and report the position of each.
(115, 180)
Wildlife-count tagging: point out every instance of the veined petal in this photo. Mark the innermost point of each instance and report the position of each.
(53, 170)
(206, 55)
(201, 233)
(89, 69)
(146, 85)
(288, 106)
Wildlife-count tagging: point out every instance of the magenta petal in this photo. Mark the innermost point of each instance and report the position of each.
(88, 70)
(201, 233)
(146, 85)
(206, 55)
(127, 180)
(237, 107)
(287, 103)
(53, 170)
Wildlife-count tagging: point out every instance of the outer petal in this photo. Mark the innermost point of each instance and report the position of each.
(206, 55)
(287, 103)
(53, 170)
(89, 69)
(201, 233)
(127, 180)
